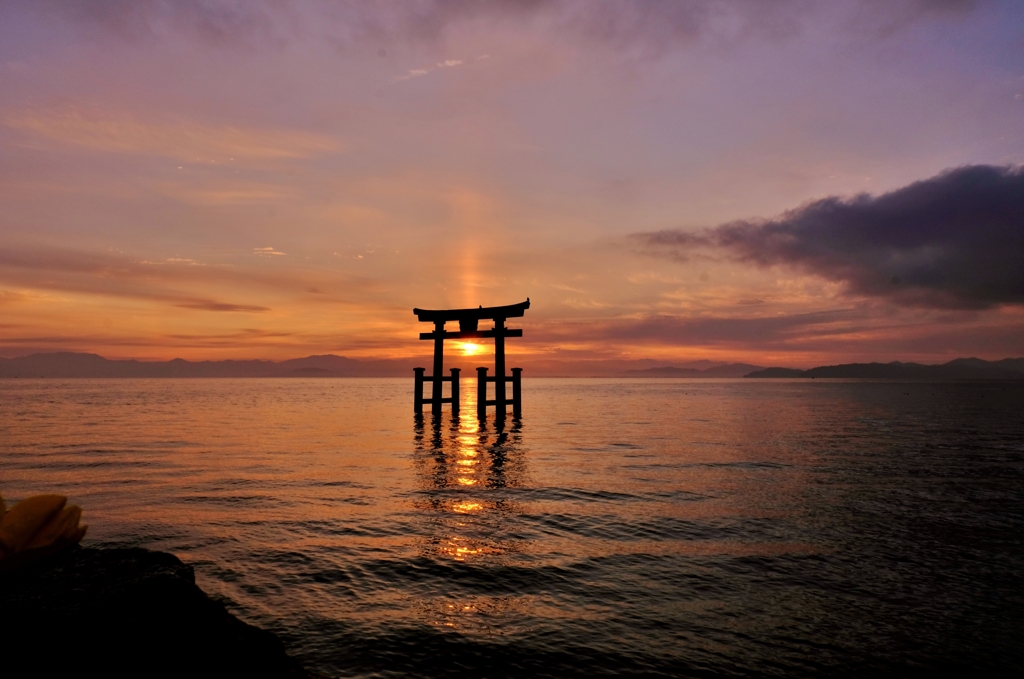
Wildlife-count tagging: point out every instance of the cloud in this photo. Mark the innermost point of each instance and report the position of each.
(212, 22)
(864, 332)
(182, 140)
(955, 240)
(650, 25)
(886, 17)
(766, 331)
(414, 73)
(417, 72)
(210, 305)
(176, 281)
(201, 189)
(268, 252)
(11, 345)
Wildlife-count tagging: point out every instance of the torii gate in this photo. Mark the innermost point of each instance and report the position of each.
(468, 320)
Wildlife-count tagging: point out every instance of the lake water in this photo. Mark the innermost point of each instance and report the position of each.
(631, 528)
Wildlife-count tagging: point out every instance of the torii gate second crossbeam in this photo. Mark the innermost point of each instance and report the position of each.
(469, 320)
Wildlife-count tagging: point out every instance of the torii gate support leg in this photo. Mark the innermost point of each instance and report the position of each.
(417, 393)
(435, 394)
(517, 392)
(455, 390)
(499, 366)
(481, 393)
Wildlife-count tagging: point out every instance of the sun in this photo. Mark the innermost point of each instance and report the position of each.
(470, 348)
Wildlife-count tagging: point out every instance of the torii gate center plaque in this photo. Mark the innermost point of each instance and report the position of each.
(469, 320)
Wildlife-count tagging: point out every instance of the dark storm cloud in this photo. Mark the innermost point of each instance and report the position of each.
(955, 240)
(647, 25)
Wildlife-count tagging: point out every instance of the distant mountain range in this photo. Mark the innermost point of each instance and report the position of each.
(728, 370)
(958, 369)
(68, 364)
(71, 364)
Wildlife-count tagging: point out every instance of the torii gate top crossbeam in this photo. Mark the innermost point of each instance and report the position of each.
(469, 317)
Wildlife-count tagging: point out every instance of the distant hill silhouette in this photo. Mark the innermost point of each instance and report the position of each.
(957, 369)
(71, 364)
(729, 370)
(68, 364)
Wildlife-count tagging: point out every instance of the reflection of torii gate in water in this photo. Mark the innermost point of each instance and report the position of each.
(468, 320)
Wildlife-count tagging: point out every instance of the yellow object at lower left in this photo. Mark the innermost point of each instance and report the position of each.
(37, 526)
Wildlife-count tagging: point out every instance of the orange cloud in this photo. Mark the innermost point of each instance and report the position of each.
(182, 140)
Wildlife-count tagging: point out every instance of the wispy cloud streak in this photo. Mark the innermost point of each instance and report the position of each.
(171, 281)
(182, 140)
(650, 26)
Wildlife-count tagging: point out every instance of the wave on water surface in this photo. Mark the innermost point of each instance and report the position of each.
(710, 528)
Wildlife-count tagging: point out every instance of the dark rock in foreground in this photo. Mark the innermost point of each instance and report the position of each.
(126, 612)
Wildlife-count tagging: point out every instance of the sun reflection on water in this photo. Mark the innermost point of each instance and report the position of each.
(466, 470)
(463, 465)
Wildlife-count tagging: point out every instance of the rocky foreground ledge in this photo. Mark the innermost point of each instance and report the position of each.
(126, 612)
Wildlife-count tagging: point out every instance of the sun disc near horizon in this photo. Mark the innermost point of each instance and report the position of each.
(470, 348)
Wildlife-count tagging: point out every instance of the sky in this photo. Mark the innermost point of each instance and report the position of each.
(778, 182)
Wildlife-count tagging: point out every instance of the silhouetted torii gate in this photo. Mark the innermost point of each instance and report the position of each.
(468, 321)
